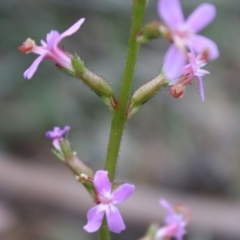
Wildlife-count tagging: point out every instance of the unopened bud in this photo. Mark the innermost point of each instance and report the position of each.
(153, 30)
(177, 90)
(27, 46)
(82, 178)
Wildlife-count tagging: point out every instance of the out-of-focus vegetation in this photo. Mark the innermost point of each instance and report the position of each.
(183, 144)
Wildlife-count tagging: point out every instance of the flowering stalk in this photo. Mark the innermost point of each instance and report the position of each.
(119, 115)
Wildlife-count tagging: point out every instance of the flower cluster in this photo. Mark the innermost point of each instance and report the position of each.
(186, 44)
(191, 70)
(175, 224)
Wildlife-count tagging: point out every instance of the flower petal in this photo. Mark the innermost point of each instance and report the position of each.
(57, 132)
(200, 87)
(102, 183)
(52, 38)
(32, 69)
(165, 204)
(56, 144)
(95, 218)
(114, 219)
(171, 12)
(122, 193)
(201, 17)
(70, 30)
(173, 63)
(200, 43)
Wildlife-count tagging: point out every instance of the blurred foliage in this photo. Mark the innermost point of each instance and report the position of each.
(181, 143)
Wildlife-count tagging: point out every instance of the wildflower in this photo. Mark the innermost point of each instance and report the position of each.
(50, 49)
(56, 134)
(194, 68)
(174, 224)
(184, 34)
(107, 199)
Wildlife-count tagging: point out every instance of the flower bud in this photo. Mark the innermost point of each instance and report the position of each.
(153, 30)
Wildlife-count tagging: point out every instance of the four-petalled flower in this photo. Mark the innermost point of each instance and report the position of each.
(107, 199)
(183, 34)
(56, 134)
(174, 224)
(50, 49)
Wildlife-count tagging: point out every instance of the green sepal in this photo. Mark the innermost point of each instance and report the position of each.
(66, 150)
(67, 71)
(58, 155)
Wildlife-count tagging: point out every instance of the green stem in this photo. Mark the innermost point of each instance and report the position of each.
(103, 232)
(119, 115)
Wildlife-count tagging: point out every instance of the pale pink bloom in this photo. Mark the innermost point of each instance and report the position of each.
(184, 34)
(192, 70)
(57, 135)
(107, 201)
(50, 49)
(174, 224)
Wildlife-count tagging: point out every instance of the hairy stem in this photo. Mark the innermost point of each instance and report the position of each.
(119, 115)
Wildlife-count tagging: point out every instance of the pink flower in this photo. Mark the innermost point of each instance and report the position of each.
(191, 70)
(184, 34)
(50, 49)
(56, 134)
(174, 224)
(107, 200)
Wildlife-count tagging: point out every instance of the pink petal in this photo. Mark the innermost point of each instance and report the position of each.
(200, 43)
(201, 17)
(32, 69)
(165, 204)
(171, 12)
(71, 30)
(56, 144)
(200, 87)
(122, 193)
(173, 63)
(57, 132)
(167, 232)
(95, 218)
(102, 183)
(114, 219)
(52, 38)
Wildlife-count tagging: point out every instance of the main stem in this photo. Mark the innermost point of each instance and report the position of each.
(119, 115)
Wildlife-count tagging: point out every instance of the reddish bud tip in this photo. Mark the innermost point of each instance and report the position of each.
(27, 46)
(177, 90)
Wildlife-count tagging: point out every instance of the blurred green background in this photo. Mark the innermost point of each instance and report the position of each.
(185, 148)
